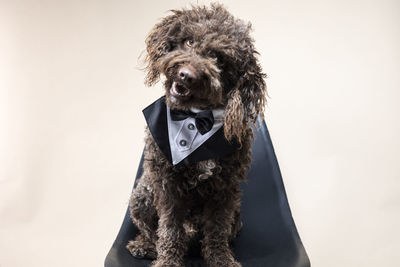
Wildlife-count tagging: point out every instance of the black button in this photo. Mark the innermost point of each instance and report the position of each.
(191, 126)
(183, 142)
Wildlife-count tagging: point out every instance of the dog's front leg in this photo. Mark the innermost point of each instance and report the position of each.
(217, 229)
(172, 239)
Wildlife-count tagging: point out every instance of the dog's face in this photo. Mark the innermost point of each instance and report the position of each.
(193, 75)
(208, 60)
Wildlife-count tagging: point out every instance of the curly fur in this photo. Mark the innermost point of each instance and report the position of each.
(174, 206)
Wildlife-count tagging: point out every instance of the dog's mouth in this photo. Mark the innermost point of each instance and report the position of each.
(178, 90)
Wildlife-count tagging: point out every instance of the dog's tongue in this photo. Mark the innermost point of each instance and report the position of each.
(178, 90)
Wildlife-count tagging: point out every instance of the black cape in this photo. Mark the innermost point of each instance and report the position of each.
(269, 237)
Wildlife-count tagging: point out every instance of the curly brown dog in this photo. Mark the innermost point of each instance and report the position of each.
(209, 62)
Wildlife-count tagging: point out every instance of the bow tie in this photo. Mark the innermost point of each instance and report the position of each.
(204, 119)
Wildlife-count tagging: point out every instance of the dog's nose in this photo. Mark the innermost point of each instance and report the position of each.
(186, 75)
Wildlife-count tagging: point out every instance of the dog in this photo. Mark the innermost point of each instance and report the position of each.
(198, 138)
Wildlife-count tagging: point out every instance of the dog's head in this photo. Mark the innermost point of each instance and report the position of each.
(209, 61)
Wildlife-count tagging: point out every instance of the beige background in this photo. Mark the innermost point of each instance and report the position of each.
(71, 125)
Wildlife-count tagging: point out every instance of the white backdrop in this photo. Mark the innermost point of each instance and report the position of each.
(71, 129)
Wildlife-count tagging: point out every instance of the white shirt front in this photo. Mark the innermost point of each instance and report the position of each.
(184, 138)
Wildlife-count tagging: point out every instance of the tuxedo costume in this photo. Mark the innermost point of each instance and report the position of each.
(181, 141)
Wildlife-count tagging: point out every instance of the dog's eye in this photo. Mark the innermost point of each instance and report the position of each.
(189, 42)
(212, 54)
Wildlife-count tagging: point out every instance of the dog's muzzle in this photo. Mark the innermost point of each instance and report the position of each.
(182, 85)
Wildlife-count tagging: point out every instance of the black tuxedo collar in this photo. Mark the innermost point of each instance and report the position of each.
(214, 147)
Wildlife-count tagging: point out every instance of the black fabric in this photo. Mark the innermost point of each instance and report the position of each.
(214, 147)
(269, 237)
(204, 119)
(156, 118)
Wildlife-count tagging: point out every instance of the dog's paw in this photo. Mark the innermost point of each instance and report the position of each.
(235, 264)
(141, 250)
(226, 261)
(230, 263)
(164, 263)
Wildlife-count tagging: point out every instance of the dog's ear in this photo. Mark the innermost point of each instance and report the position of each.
(159, 43)
(246, 101)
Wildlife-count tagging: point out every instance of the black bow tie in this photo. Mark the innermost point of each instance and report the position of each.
(204, 119)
